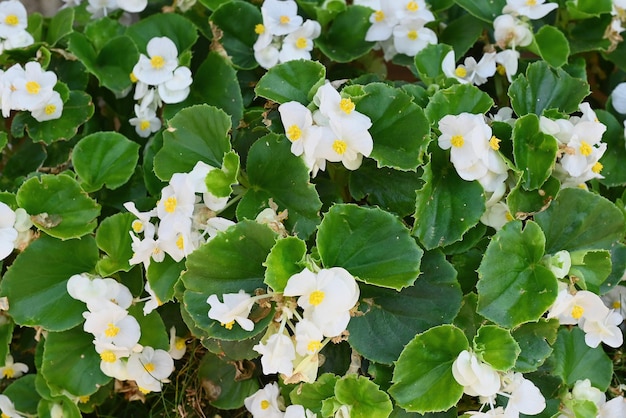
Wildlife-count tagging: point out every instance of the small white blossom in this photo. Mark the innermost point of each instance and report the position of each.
(535, 9)
(280, 17)
(277, 354)
(158, 67)
(235, 308)
(476, 377)
(11, 369)
(266, 402)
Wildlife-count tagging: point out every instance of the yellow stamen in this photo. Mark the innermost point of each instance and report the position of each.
(294, 133)
(508, 216)
(143, 390)
(284, 20)
(340, 146)
(157, 62)
(11, 20)
(149, 367)
(33, 87)
(180, 343)
(314, 346)
(144, 124)
(617, 304)
(597, 167)
(500, 69)
(531, 2)
(137, 226)
(265, 404)
(347, 105)
(494, 143)
(259, 29)
(457, 141)
(412, 6)
(379, 16)
(170, 204)
(301, 43)
(316, 297)
(3, 415)
(180, 242)
(83, 399)
(108, 356)
(577, 311)
(412, 35)
(228, 325)
(50, 109)
(8, 372)
(133, 77)
(460, 72)
(585, 148)
(111, 330)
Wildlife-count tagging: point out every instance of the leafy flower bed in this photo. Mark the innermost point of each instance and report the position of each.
(313, 208)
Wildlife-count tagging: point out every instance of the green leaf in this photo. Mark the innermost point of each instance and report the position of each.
(311, 395)
(578, 219)
(462, 33)
(618, 266)
(428, 63)
(534, 151)
(196, 133)
(236, 20)
(100, 31)
(48, 408)
(581, 9)
(574, 360)
(172, 25)
(6, 335)
(114, 239)
(396, 317)
(613, 170)
(486, 10)
(163, 277)
(446, 206)
(268, 161)
(591, 268)
(514, 286)
(153, 329)
(363, 397)
(60, 26)
(457, 99)
(104, 158)
(219, 182)
(371, 244)
(551, 45)
(535, 340)
(71, 363)
(23, 394)
(422, 379)
(496, 346)
(399, 128)
(283, 261)
(224, 380)
(543, 88)
(58, 206)
(524, 202)
(292, 81)
(76, 110)
(36, 282)
(344, 40)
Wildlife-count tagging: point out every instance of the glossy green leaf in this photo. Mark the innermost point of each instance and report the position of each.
(514, 286)
(446, 206)
(428, 63)
(65, 406)
(613, 170)
(396, 317)
(581, 9)
(36, 282)
(591, 268)
(219, 182)
(114, 239)
(163, 277)
(618, 266)
(71, 363)
(574, 360)
(292, 81)
(283, 261)
(578, 219)
(104, 158)
(23, 394)
(496, 346)
(535, 340)
(222, 377)
(524, 202)
(551, 45)
(543, 88)
(172, 25)
(196, 133)
(534, 151)
(457, 99)
(486, 10)
(311, 395)
(422, 379)
(399, 129)
(6, 335)
(275, 173)
(344, 40)
(99, 31)
(153, 329)
(371, 244)
(363, 397)
(462, 33)
(60, 26)
(58, 206)
(236, 20)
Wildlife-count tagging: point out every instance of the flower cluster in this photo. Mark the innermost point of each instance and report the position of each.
(325, 297)
(399, 26)
(334, 132)
(30, 88)
(283, 36)
(583, 391)
(480, 379)
(11, 369)
(185, 220)
(15, 230)
(117, 333)
(267, 403)
(13, 23)
(100, 8)
(159, 79)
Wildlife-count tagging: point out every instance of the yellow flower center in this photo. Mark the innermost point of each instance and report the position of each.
(301, 43)
(170, 204)
(531, 2)
(585, 148)
(157, 62)
(314, 346)
(508, 216)
(316, 297)
(500, 69)
(227, 325)
(347, 105)
(149, 367)
(180, 242)
(460, 72)
(133, 77)
(340, 146)
(111, 330)
(412, 6)
(33, 87)
(180, 343)
(284, 20)
(265, 404)
(597, 167)
(457, 141)
(83, 399)
(412, 35)
(3, 415)
(259, 29)
(143, 390)
(494, 143)
(294, 133)
(617, 304)
(8, 372)
(11, 20)
(379, 16)
(144, 124)
(137, 226)
(50, 109)
(577, 311)
(108, 356)
(156, 251)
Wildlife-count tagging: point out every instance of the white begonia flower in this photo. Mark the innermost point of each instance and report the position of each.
(175, 208)
(417, 9)
(299, 43)
(496, 215)
(333, 107)
(383, 21)
(280, 17)
(326, 297)
(532, 9)
(132, 6)
(178, 345)
(616, 407)
(235, 308)
(618, 98)
(308, 338)
(115, 368)
(616, 299)
(584, 148)
(277, 354)
(13, 18)
(18, 40)
(100, 8)
(214, 226)
(266, 51)
(99, 294)
(410, 36)
(33, 87)
(266, 402)
(584, 391)
(143, 218)
(150, 368)
(510, 31)
(507, 61)
(7, 408)
(8, 234)
(605, 329)
(476, 377)
(196, 178)
(299, 129)
(298, 411)
(158, 67)
(345, 143)
(525, 397)
(176, 89)
(559, 263)
(470, 71)
(49, 109)
(463, 134)
(113, 326)
(112, 358)
(7, 80)
(492, 413)
(146, 249)
(12, 370)
(153, 301)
